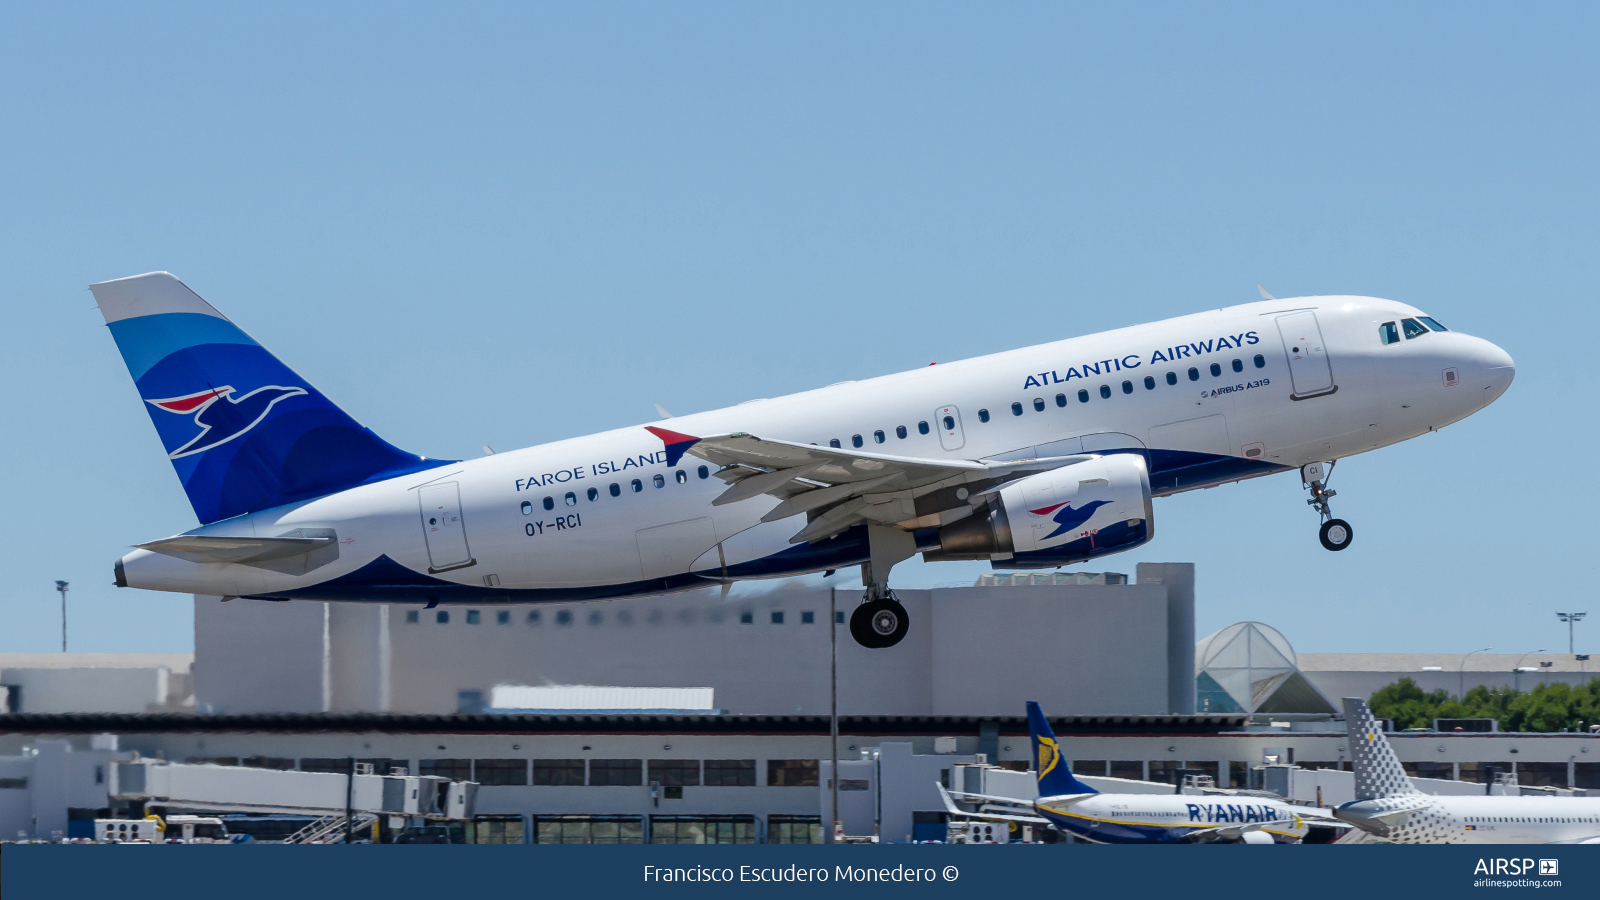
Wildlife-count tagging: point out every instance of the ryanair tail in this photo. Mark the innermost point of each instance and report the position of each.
(1378, 771)
(1055, 776)
(243, 431)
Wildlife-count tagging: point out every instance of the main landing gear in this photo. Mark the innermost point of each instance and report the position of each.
(880, 621)
(1335, 534)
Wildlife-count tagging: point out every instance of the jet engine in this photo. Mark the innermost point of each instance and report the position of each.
(1067, 515)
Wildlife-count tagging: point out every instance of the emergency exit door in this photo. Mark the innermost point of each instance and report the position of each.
(446, 534)
(1309, 369)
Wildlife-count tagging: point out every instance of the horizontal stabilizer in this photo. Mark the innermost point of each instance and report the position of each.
(295, 553)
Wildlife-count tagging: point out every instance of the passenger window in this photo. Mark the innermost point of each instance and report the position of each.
(616, 489)
(1388, 334)
(1216, 370)
(527, 508)
(1016, 409)
(1083, 396)
(834, 443)
(1061, 399)
(877, 436)
(1238, 365)
(949, 423)
(572, 499)
(1194, 374)
(1038, 404)
(922, 427)
(1260, 361)
(1149, 383)
(855, 440)
(682, 476)
(1105, 392)
(900, 432)
(1413, 328)
(1172, 378)
(594, 494)
(549, 503)
(660, 481)
(1433, 323)
(1127, 387)
(637, 485)
(703, 472)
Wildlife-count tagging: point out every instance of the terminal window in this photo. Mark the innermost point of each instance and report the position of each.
(730, 772)
(268, 762)
(1586, 775)
(794, 829)
(1238, 774)
(1165, 771)
(412, 617)
(1444, 770)
(500, 771)
(675, 772)
(558, 772)
(616, 772)
(1089, 767)
(1128, 768)
(1542, 774)
(702, 829)
(453, 769)
(792, 773)
(808, 618)
(496, 830)
(588, 829)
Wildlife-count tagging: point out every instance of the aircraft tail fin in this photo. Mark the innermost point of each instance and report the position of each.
(1055, 775)
(243, 431)
(1377, 769)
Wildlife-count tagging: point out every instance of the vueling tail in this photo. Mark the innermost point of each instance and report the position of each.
(243, 431)
(1378, 771)
(1055, 776)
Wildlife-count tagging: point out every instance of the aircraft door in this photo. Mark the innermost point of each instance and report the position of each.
(446, 534)
(1309, 369)
(948, 420)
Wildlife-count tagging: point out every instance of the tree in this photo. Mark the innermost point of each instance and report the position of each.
(1546, 708)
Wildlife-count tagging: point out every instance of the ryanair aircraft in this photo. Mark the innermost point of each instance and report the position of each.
(1032, 458)
(1078, 809)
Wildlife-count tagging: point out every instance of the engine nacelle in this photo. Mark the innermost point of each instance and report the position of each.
(1066, 515)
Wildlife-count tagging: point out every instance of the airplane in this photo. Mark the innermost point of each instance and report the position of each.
(1103, 818)
(1032, 458)
(1389, 805)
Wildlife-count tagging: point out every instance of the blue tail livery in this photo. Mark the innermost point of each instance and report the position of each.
(243, 431)
(1055, 776)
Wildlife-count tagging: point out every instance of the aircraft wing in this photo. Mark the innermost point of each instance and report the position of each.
(838, 488)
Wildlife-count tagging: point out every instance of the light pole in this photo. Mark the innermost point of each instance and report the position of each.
(1516, 670)
(62, 587)
(1461, 693)
(1571, 619)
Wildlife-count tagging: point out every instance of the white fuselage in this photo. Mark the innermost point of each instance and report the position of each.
(587, 518)
(1480, 820)
(1169, 818)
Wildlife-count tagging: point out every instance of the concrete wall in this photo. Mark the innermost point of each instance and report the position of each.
(1078, 649)
(90, 690)
(259, 656)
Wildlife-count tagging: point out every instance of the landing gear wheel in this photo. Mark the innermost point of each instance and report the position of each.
(878, 624)
(1335, 534)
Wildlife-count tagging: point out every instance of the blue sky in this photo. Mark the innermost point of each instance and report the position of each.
(507, 224)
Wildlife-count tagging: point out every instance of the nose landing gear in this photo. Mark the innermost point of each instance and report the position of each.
(1335, 534)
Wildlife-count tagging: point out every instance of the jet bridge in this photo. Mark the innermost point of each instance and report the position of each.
(241, 789)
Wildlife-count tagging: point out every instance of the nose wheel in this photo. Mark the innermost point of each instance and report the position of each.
(880, 621)
(1335, 534)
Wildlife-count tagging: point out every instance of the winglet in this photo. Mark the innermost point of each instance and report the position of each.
(677, 444)
(1264, 294)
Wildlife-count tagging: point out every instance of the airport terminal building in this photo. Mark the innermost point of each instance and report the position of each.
(684, 718)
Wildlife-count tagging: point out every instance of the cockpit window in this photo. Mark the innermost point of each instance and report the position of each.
(1388, 333)
(1413, 328)
(1433, 323)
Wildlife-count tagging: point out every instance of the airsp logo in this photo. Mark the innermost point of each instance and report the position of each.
(1515, 867)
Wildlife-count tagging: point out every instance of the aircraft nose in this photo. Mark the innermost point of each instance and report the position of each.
(1496, 369)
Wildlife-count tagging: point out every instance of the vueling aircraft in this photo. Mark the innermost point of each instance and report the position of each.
(1389, 805)
(1080, 810)
(1032, 458)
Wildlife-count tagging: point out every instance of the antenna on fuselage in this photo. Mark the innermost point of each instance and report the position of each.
(1264, 294)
